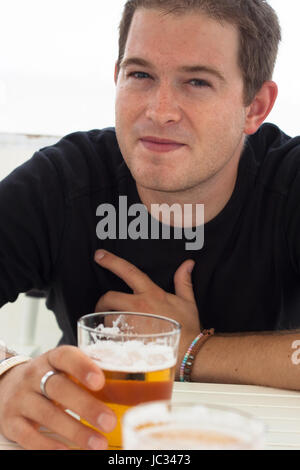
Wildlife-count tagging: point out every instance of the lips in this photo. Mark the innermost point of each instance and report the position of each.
(157, 144)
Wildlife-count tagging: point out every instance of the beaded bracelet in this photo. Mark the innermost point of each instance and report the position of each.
(188, 360)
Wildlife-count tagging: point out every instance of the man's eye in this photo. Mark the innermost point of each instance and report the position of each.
(198, 83)
(138, 75)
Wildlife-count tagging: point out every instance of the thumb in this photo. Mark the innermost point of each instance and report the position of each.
(183, 281)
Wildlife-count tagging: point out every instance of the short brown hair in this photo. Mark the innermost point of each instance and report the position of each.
(256, 21)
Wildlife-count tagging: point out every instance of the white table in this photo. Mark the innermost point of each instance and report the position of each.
(279, 409)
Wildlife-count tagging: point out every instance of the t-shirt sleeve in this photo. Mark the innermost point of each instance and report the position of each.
(32, 214)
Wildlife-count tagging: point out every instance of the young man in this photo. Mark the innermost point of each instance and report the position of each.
(193, 89)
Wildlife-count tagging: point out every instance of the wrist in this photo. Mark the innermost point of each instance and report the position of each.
(185, 343)
(10, 359)
(5, 352)
(12, 362)
(187, 363)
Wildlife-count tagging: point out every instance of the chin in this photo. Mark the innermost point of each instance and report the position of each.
(161, 186)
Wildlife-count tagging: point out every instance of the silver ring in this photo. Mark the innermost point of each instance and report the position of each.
(44, 381)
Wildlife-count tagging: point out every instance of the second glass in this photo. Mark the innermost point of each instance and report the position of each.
(191, 426)
(137, 353)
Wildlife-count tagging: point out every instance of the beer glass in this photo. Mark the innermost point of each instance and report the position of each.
(137, 353)
(164, 425)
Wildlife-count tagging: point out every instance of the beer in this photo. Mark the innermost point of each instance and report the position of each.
(190, 426)
(137, 353)
(150, 377)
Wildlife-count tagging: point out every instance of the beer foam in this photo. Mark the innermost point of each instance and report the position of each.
(123, 329)
(131, 356)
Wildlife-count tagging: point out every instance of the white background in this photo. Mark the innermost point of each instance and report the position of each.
(57, 62)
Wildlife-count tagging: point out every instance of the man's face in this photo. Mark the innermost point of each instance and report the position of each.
(180, 115)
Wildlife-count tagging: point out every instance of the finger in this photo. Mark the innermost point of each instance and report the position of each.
(67, 428)
(138, 281)
(72, 396)
(183, 281)
(116, 301)
(28, 437)
(74, 362)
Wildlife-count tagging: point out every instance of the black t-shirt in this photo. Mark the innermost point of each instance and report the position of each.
(246, 276)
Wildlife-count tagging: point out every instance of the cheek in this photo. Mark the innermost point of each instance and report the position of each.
(127, 103)
(222, 122)
(125, 116)
(120, 102)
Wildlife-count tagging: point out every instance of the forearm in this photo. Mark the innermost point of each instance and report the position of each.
(266, 359)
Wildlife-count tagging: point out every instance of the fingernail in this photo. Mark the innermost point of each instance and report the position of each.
(99, 255)
(107, 422)
(94, 380)
(96, 443)
(191, 267)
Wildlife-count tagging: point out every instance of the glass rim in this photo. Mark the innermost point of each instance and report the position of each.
(169, 404)
(176, 324)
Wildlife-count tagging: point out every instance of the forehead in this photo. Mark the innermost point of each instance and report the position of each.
(190, 38)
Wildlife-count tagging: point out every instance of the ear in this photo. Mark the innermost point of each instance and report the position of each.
(260, 107)
(116, 73)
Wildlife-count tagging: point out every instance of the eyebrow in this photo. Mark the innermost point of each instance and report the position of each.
(185, 68)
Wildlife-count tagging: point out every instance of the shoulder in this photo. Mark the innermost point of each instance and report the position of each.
(277, 158)
(86, 161)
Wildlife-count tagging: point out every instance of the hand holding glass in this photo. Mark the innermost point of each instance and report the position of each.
(137, 353)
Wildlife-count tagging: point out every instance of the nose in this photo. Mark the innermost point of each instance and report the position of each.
(162, 107)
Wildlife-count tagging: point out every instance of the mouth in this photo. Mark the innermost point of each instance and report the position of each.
(159, 145)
